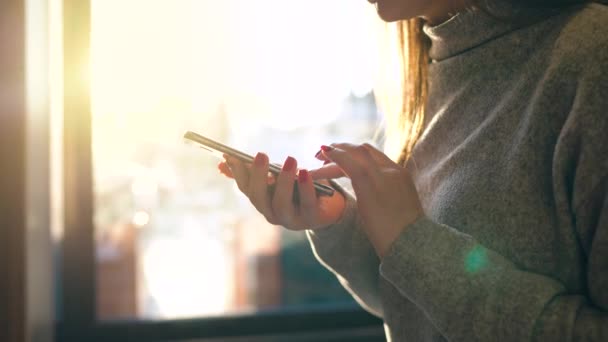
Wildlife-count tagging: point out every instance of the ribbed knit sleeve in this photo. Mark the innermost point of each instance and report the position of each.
(344, 249)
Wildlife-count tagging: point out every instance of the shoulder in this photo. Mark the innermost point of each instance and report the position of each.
(589, 19)
(579, 59)
(582, 43)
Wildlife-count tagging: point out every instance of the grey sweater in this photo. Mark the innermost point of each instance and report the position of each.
(512, 171)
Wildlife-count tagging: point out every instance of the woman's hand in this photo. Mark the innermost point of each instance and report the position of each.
(278, 206)
(386, 196)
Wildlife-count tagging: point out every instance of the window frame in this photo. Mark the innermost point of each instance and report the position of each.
(13, 113)
(26, 270)
(77, 290)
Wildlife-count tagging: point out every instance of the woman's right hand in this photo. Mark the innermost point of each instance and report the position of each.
(277, 206)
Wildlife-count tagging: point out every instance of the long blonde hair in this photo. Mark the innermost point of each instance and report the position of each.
(415, 57)
(402, 88)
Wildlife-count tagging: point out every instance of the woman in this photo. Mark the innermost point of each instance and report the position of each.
(492, 224)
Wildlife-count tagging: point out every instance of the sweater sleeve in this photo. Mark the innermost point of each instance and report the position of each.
(584, 318)
(472, 293)
(344, 249)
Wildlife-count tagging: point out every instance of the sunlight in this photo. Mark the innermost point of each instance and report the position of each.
(233, 69)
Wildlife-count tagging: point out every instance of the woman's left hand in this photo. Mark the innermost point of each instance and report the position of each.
(386, 196)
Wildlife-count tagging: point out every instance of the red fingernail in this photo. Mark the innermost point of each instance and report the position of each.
(326, 162)
(318, 154)
(259, 159)
(302, 176)
(290, 164)
(325, 148)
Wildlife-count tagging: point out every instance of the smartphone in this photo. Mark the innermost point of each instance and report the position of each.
(218, 149)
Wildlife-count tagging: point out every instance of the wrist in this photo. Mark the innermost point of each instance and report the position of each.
(385, 240)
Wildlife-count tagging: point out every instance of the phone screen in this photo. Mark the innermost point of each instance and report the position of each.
(218, 149)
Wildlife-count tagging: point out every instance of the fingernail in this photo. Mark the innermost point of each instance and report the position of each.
(326, 162)
(259, 159)
(302, 176)
(318, 154)
(326, 148)
(290, 164)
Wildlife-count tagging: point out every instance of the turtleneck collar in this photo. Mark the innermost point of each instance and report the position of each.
(473, 27)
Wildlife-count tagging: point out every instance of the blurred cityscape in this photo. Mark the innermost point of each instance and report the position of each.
(175, 238)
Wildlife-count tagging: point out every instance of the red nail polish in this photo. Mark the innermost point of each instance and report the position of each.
(259, 159)
(290, 164)
(302, 176)
(318, 154)
(325, 148)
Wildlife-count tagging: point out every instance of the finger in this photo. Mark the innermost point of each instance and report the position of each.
(240, 173)
(282, 201)
(329, 171)
(367, 149)
(377, 154)
(321, 156)
(308, 209)
(225, 169)
(258, 187)
(357, 163)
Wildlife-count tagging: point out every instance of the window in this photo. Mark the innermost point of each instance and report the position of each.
(157, 245)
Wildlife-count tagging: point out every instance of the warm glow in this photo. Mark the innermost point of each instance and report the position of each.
(165, 271)
(232, 68)
(141, 218)
(283, 63)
